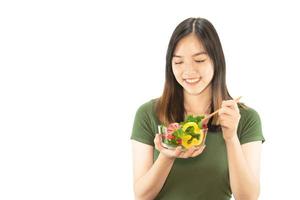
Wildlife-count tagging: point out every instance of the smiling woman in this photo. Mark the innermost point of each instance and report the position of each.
(191, 65)
(195, 85)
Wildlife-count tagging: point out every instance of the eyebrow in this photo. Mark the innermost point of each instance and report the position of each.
(196, 54)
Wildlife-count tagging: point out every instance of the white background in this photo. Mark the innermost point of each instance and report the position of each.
(73, 73)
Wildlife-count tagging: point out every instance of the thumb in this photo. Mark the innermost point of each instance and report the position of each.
(178, 151)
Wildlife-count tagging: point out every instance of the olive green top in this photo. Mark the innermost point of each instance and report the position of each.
(206, 176)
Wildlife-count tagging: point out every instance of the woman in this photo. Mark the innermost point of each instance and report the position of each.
(195, 85)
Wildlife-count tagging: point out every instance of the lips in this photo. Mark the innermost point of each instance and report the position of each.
(192, 81)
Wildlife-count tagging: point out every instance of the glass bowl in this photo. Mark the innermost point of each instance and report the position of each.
(186, 141)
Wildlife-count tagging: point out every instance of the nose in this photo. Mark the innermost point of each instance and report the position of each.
(189, 70)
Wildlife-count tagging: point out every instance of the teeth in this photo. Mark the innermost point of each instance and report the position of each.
(194, 80)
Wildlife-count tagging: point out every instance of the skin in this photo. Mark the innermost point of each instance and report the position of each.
(190, 61)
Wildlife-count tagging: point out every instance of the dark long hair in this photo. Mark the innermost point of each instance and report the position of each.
(170, 106)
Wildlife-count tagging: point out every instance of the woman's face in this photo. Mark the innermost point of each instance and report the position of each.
(191, 65)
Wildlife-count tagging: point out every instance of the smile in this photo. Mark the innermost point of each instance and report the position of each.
(192, 80)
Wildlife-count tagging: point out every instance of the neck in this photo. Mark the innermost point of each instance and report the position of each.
(198, 104)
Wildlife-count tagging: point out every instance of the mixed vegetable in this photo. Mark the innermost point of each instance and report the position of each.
(188, 133)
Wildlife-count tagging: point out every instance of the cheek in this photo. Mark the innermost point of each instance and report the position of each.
(176, 72)
(208, 73)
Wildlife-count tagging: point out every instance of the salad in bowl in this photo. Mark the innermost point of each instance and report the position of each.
(189, 133)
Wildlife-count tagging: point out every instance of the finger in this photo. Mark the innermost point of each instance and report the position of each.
(171, 153)
(230, 103)
(188, 153)
(226, 118)
(224, 124)
(178, 151)
(236, 107)
(198, 151)
(227, 111)
(157, 142)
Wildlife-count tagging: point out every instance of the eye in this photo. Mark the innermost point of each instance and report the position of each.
(199, 61)
(178, 63)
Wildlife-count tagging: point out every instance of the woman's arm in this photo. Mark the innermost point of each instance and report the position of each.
(244, 168)
(243, 160)
(149, 177)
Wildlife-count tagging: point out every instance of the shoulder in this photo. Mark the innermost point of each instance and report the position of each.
(147, 106)
(250, 126)
(248, 113)
(145, 125)
(147, 110)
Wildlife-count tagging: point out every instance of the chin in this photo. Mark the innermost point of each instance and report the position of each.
(193, 92)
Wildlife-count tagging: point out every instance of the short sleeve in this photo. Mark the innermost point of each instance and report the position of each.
(250, 127)
(141, 130)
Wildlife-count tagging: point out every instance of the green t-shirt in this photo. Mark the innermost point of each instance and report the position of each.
(206, 176)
